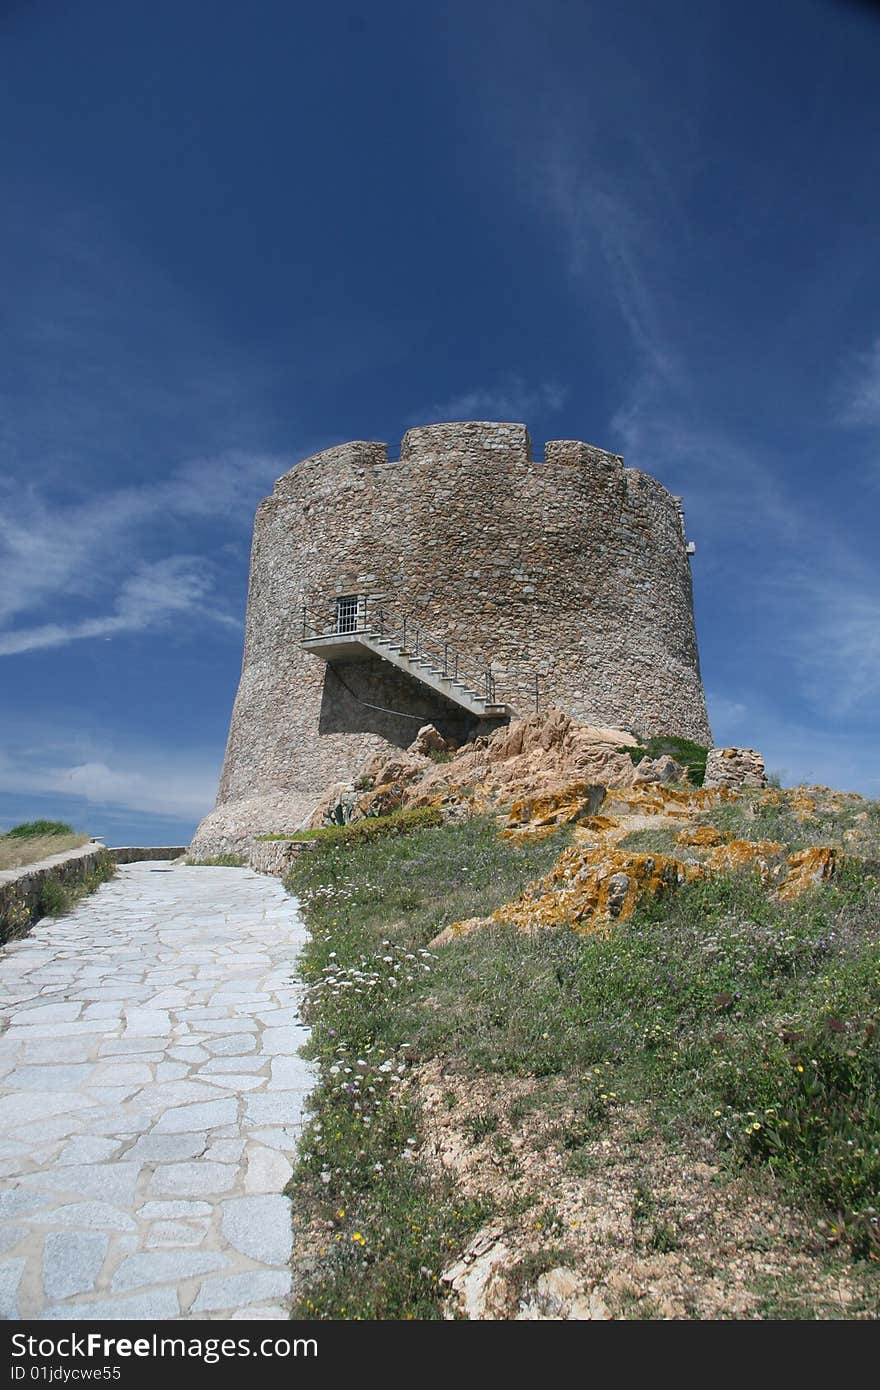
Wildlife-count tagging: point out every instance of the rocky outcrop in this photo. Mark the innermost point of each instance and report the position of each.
(233, 827)
(542, 755)
(547, 755)
(429, 740)
(587, 889)
(734, 767)
(663, 769)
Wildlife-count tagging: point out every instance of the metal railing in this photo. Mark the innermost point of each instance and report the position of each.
(406, 632)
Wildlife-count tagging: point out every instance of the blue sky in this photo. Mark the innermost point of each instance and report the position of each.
(233, 235)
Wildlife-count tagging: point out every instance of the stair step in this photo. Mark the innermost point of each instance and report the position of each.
(425, 667)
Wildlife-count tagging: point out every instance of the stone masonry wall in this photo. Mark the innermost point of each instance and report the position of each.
(735, 767)
(574, 568)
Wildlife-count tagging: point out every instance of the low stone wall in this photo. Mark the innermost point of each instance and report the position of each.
(135, 854)
(276, 856)
(21, 889)
(734, 767)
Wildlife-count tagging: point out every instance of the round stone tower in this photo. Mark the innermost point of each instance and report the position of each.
(463, 584)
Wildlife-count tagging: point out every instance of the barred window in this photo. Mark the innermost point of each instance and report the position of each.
(347, 613)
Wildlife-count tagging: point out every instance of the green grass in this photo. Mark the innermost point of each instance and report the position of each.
(37, 839)
(683, 750)
(372, 908)
(57, 898)
(749, 1027)
(752, 1024)
(654, 840)
(755, 816)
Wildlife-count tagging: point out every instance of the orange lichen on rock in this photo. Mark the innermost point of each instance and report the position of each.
(803, 806)
(807, 868)
(587, 889)
(747, 854)
(703, 837)
(456, 930)
(518, 833)
(661, 800)
(576, 802)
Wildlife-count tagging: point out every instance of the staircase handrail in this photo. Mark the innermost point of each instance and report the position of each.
(414, 641)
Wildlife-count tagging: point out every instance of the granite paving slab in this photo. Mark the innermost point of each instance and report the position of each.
(151, 1099)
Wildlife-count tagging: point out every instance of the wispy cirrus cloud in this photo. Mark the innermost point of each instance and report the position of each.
(147, 599)
(512, 399)
(835, 643)
(111, 374)
(58, 560)
(861, 389)
(802, 609)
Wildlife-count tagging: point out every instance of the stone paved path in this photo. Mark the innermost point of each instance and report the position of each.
(150, 1100)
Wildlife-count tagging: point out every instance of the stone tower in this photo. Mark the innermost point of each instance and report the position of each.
(560, 581)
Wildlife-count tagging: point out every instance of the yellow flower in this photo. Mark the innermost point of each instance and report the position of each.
(799, 1067)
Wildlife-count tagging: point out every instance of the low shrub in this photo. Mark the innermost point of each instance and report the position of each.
(372, 828)
(34, 829)
(691, 755)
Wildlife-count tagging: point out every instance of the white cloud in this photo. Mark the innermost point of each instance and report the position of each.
(727, 717)
(835, 641)
(147, 599)
(862, 391)
(53, 554)
(178, 783)
(512, 400)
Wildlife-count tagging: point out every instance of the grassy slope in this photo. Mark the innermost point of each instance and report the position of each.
(747, 1027)
(15, 851)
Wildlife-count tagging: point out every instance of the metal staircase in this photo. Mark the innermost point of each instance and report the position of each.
(359, 631)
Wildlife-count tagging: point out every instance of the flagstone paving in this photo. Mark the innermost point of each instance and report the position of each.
(151, 1096)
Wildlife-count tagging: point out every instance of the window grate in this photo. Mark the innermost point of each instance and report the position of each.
(347, 613)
